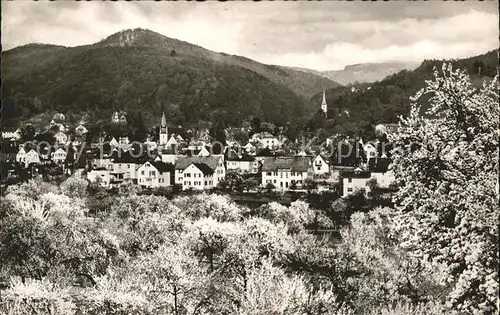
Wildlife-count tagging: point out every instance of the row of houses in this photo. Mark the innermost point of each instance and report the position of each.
(197, 165)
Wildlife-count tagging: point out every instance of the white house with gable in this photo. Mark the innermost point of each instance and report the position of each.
(154, 174)
(61, 137)
(59, 156)
(321, 165)
(198, 176)
(216, 163)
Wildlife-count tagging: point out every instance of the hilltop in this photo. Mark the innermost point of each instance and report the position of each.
(140, 70)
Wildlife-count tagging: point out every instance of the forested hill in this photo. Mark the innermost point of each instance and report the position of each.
(385, 100)
(140, 70)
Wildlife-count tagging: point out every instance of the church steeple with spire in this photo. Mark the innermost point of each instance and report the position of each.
(324, 106)
(163, 130)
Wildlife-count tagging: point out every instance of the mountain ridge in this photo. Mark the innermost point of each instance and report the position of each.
(141, 69)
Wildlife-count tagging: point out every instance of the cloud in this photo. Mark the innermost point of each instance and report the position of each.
(319, 35)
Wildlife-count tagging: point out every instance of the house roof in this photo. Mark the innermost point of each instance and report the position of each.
(264, 152)
(183, 162)
(126, 157)
(204, 168)
(356, 174)
(162, 166)
(233, 155)
(9, 129)
(294, 164)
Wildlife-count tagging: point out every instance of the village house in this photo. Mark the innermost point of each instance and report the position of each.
(80, 130)
(61, 137)
(250, 148)
(216, 163)
(151, 145)
(124, 143)
(119, 117)
(241, 163)
(32, 157)
(124, 167)
(267, 140)
(59, 156)
(384, 179)
(284, 172)
(355, 180)
(171, 143)
(198, 176)
(8, 152)
(170, 156)
(155, 174)
(370, 151)
(21, 155)
(321, 165)
(101, 176)
(11, 133)
(101, 159)
(202, 152)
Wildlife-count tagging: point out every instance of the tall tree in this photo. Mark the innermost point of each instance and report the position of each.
(219, 133)
(140, 130)
(255, 124)
(447, 170)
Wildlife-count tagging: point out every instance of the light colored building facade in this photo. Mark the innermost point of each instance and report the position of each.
(286, 172)
(321, 165)
(154, 174)
(59, 156)
(198, 176)
(61, 137)
(216, 163)
(354, 181)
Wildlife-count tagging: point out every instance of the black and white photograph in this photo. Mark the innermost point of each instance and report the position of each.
(249, 158)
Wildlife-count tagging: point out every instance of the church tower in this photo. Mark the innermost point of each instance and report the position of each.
(324, 106)
(163, 130)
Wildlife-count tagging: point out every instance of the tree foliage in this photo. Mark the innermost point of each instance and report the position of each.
(447, 170)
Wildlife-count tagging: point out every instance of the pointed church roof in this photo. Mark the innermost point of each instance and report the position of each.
(163, 120)
(324, 98)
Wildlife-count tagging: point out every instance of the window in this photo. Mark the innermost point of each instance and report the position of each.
(142, 172)
(128, 166)
(187, 175)
(275, 181)
(268, 174)
(349, 180)
(349, 189)
(206, 183)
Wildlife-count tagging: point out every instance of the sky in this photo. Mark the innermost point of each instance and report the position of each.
(325, 35)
